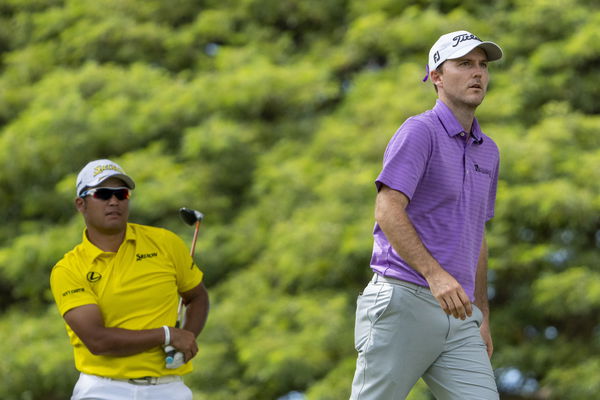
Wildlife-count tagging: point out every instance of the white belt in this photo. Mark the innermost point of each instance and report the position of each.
(151, 380)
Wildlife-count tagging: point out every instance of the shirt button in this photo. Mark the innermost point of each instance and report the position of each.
(462, 134)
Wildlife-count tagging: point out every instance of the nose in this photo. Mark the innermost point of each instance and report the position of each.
(478, 70)
(113, 199)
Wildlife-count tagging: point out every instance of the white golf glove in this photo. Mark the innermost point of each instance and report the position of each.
(174, 358)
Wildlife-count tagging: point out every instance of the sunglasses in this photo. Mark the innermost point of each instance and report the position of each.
(104, 193)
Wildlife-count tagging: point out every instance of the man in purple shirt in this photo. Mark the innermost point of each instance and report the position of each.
(425, 312)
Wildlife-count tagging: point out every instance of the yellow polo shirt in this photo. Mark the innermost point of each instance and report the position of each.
(135, 288)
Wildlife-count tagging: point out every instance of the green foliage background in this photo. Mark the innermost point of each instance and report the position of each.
(271, 116)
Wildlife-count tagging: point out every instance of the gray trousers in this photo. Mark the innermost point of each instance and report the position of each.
(402, 334)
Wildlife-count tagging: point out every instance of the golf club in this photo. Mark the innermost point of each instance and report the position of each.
(192, 217)
(174, 358)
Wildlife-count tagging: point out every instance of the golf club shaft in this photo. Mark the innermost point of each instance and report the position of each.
(171, 351)
(193, 247)
(180, 307)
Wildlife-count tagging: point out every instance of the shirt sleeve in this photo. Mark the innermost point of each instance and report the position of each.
(187, 272)
(70, 290)
(405, 158)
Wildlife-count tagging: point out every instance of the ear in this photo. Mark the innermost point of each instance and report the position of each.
(436, 78)
(80, 204)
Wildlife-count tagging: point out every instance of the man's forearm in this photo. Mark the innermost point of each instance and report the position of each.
(197, 311)
(481, 293)
(481, 297)
(391, 216)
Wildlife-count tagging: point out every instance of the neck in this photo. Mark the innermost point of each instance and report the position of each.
(464, 113)
(106, 241)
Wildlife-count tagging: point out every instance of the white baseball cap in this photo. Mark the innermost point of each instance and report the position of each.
(456, 44)
(97, 171)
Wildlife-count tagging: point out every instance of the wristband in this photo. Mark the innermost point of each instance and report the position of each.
(167, 335)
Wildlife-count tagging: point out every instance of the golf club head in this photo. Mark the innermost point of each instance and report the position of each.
(190, 216)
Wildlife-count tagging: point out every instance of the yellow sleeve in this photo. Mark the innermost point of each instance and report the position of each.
(188, 274)
(70, 290)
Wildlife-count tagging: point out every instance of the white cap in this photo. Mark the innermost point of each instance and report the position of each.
(97, 171)
(457, 44)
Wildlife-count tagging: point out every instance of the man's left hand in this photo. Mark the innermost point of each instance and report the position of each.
(487, 337)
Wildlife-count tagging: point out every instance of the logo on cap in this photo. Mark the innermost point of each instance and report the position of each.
(101, 168)
(436, 56)
(463, 38)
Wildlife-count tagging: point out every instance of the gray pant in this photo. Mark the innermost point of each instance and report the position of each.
(402, 334)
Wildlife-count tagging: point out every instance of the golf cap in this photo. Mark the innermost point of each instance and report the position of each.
(455, 45)
(97, 171)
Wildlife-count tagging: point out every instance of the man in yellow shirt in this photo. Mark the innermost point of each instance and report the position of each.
(118, 293)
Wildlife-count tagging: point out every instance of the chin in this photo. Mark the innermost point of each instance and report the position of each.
(474, 102)
(113, 228)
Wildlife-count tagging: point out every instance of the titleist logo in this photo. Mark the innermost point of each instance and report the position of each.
(481, 170)
(463, 38)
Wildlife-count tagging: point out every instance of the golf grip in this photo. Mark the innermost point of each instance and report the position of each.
(170, 350)
(174, 358)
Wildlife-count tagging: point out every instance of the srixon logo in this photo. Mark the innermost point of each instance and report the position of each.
(139, 256)
(463, 38)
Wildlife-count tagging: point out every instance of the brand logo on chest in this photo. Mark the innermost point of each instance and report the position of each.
(482, 170)
(139, 257)
(93, 277)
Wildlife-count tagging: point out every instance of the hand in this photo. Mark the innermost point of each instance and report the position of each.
(185, 342)
(174, 358)
(450, 294)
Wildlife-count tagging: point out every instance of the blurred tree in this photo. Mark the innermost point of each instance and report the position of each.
(272, 118)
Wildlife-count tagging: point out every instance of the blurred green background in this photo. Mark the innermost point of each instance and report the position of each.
(271, 117)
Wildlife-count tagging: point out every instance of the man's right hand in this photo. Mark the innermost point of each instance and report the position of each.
(449, 293)
(185, 342)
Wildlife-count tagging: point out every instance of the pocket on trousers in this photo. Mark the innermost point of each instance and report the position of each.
(477, 315)
(372, 306)
(84, 386)
(381, 303)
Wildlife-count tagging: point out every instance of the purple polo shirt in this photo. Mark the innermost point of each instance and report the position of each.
(451, 185)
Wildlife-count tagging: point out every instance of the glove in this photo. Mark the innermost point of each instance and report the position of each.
(174, 358)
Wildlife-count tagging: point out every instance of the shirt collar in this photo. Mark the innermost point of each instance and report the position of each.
(93, 252)
(451, 124)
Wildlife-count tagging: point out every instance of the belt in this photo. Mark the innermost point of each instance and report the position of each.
(151, 380)
(394, 281)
